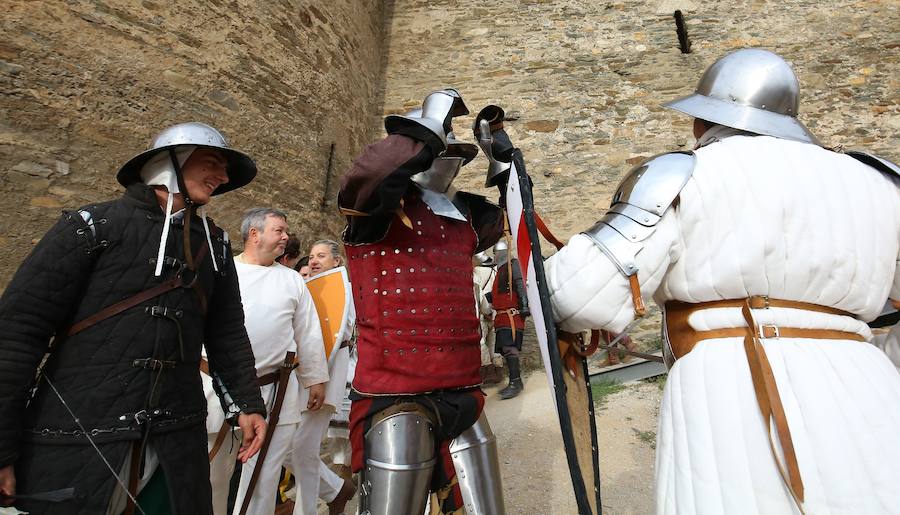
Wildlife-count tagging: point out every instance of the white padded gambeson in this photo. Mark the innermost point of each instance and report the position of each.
(763, 216)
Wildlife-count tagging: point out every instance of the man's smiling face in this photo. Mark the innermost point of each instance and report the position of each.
(204, 171)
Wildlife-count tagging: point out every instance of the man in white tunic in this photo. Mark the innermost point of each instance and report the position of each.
(768, 254)
(280, 316)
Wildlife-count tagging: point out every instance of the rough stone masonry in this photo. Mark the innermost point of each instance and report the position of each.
(584, 79)
(85, 82)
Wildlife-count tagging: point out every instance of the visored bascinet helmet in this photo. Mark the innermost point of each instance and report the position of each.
(241, 169)
(750, 89)
(445, 167)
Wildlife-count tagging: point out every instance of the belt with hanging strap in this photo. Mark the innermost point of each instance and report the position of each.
(682, 338)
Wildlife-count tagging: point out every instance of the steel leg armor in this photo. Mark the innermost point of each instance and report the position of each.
(474, 454)
(400, 458)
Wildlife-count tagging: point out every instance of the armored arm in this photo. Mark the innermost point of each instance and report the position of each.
(37, 304)
(599, 279)
(519, 286)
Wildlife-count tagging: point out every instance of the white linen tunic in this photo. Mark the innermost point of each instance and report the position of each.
(764, 216)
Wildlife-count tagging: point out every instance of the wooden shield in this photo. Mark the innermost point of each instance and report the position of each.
(331, 294)
(566, 371)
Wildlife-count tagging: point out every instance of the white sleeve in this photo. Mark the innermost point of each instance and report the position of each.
(588, 291)
(313, 368)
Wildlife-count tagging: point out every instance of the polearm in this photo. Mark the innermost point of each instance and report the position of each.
(284, 374)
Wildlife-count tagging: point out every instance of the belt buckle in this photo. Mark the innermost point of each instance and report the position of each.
(762, 333)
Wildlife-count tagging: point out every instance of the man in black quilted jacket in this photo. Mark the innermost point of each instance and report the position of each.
(101, 404)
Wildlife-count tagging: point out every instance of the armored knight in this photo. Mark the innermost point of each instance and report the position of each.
(416, 422)
(768, 253)
(510, 303)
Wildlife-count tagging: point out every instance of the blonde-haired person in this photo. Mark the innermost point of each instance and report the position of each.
(314, 478)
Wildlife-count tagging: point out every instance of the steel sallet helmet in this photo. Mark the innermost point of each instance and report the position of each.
(750, 89)
(241, 169)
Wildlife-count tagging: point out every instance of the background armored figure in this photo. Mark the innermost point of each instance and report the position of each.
(767, 253)
(510, 302)
(416, 413)
(128, 290)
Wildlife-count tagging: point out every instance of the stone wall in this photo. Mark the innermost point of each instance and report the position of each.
(585, 78)
(86, 84)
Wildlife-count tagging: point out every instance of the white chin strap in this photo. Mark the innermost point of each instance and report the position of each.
(161, 254)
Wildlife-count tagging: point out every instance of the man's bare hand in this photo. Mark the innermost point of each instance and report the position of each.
(253, 426)
(7, 485)
(316, 397)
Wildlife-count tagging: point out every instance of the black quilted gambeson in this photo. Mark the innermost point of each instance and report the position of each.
(75, 272)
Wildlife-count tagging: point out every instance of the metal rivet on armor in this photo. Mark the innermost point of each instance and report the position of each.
(382, 252)
(375, 291)
(396, 251)
(412, 270)
(646, 219)
(384, 334)
(397, 270)
(372, 253)
(419, 233)
(424, 290)
(413, 311)
(384, 292)
(423, 268)
(451, 310)
(421, 250)
(424, 310)
(441, 331)
(399, 332)
(384, 272)
(384, 313)
(374, 279)
(409, 249)
(440, 349)
(411, 290)
(443, 236)
(414, 349)
(442, 227)
(418, 222)
(397, 290)
(385, 350)
(400, 352)
(440, 310)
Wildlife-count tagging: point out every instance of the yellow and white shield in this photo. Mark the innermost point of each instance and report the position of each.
(331, 294)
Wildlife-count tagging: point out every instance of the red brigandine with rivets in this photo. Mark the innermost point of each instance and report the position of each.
(418, 331)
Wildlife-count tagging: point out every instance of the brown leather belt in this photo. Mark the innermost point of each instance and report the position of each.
(682, 338)
(510, 312)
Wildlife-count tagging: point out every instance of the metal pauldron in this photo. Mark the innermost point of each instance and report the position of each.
(643, 196)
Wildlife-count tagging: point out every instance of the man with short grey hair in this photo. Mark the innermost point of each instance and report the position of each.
(281, 318)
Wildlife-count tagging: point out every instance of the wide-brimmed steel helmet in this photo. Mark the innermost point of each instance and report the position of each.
(241, 169)
(750, 89)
